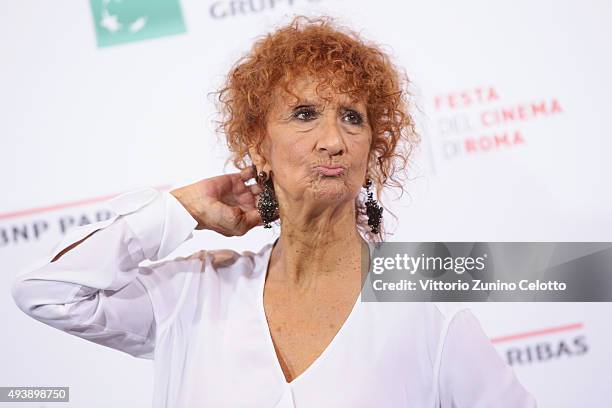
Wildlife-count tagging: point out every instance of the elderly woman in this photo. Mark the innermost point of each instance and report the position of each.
(318, 117)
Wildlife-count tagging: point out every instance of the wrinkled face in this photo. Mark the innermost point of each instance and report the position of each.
(317, 150)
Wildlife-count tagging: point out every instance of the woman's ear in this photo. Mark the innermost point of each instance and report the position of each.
(257, 158)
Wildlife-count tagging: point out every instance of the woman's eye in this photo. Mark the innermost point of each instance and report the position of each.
(353, 117)
(305, 114)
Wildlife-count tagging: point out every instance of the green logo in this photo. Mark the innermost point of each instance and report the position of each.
(121, 21)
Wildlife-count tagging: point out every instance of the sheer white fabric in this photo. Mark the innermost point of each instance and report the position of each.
(201, 319)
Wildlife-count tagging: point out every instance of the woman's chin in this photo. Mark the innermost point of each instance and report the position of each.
(332, 192)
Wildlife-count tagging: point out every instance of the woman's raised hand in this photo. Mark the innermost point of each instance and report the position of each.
(224, 204)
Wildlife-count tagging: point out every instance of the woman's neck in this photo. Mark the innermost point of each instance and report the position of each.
(321, 247)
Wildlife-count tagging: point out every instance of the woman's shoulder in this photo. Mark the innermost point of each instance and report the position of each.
(227, 263)
(432, 319)
(182, 282)
(228, 260)
(217, 258)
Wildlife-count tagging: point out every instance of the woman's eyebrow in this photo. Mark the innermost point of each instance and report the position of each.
(343, 106)
(303, 102)
(351, 106)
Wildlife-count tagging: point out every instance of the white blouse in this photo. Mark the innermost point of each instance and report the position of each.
(201, 318)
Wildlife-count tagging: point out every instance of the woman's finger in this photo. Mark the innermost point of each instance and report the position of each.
(247, 173)
(255, 218)
(256, 189)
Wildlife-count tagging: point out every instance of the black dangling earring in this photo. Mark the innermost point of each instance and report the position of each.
(373, 209)
(267, 205)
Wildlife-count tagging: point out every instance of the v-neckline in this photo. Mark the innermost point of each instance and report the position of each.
(268, 333)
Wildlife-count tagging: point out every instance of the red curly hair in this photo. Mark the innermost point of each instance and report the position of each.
(342, 61)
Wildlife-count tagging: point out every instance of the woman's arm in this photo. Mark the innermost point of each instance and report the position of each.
(472, 374)
(92, 286)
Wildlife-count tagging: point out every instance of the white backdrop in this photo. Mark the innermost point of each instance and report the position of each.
(510, 99)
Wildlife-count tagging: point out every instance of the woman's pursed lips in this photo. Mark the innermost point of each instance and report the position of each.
(330, 170)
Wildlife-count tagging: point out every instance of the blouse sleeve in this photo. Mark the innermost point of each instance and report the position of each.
(97, 290)
(472, 374)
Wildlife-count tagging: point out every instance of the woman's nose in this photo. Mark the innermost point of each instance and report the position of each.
(331, 140)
